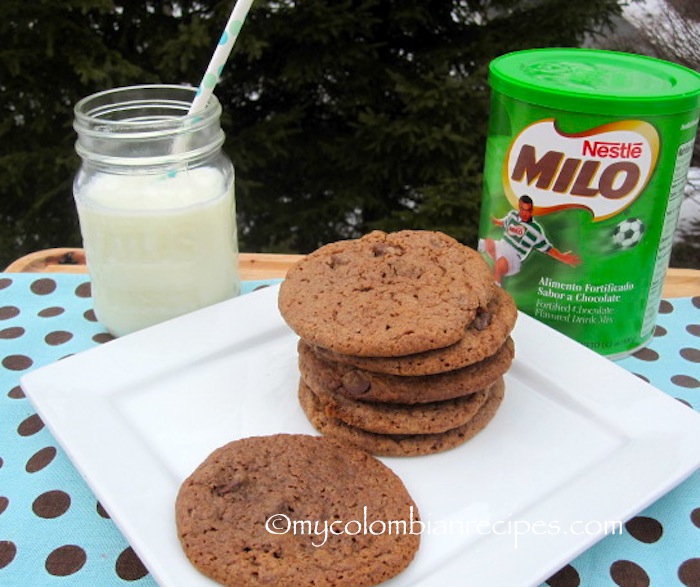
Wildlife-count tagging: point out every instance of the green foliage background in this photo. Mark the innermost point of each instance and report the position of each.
(341, 115)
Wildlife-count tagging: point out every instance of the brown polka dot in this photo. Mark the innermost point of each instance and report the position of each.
(693, 329)
(14, 332)
(692, 355)
(16, 393)
(40, 459)
(4, 502)
(695, 517)
(665, 307)
(129, 567)
(7, 312)
(646, 354)
(685, 381)
(43, 287)
(102, 511)
(689, 572)
(5, 282)
(644, 529)
(660, 331)
(566, 577)
(1, 462)
(84, 290)
(51, 504)
(695, 301)
(642, 377)
(17, 362)
(102, 337)
(684, 402)
(89, 315)
(51, 312)
(58, 337)
(8, 550)
(65, 560)
(30, 425)
(628, 574)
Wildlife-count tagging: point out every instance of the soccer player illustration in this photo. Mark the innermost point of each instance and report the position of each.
(521, 235)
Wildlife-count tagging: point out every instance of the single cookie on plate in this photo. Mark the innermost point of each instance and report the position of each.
(386, 294)
(481, 339)
(324, 375)
(400, 444)
(250, 514)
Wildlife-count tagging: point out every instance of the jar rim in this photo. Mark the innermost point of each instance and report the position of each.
(108, 111)
(146, 125)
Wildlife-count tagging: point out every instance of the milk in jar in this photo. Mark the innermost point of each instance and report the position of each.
(155, 200)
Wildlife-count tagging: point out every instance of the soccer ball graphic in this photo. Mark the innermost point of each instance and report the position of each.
(628, 233)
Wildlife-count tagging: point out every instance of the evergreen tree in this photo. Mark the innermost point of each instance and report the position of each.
(341, 115)
(360, 114)
(51, 55)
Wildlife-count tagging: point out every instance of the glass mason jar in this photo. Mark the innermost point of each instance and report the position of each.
(155, 200)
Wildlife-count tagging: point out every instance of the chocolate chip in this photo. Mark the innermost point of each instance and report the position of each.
(355, 382)
(229, 487)
(482, 319)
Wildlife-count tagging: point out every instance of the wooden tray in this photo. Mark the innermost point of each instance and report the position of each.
(72, 260)
(679, 283)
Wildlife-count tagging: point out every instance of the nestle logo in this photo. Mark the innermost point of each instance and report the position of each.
(612, 150)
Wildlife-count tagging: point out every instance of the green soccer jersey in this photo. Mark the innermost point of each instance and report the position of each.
(524, 236)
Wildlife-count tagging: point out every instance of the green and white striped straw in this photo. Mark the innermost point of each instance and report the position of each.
(221, 53)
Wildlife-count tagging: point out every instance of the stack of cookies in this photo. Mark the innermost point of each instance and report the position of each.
(404, 341)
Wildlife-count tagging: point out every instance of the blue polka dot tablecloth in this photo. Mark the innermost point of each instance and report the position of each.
(53, 531)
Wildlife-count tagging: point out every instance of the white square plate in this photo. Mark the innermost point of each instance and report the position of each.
(578, 442)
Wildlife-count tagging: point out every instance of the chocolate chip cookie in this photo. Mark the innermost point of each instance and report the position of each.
(400, 444)
(427, 418)
(386, 294)
(481, 339)
(328, 376)
(272, 510)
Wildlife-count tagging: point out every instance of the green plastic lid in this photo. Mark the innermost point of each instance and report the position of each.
(596, 81)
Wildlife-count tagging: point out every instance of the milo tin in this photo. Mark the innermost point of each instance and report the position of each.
(586, 161)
